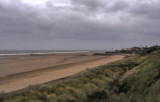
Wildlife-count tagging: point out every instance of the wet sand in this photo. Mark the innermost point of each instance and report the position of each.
(19, 72)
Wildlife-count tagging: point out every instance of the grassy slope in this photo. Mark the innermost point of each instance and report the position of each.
(135, 79)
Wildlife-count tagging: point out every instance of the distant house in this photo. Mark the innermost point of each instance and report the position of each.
(136, 49)
(131, 50)
(126, 50)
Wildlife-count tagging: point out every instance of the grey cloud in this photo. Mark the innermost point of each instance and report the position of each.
(100, 5)
(90, 4)
(119, 6)
(147, 10)
(147, 18)
(64, 27)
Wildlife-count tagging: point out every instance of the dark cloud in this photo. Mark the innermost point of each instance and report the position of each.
(90, 4)
(147, 10)
(119, 6)
(85, 24)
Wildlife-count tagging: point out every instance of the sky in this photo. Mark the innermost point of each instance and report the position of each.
(78, 24)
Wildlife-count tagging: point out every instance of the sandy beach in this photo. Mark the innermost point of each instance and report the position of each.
(17, 72)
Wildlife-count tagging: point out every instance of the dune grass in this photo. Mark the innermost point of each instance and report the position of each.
(134, 79)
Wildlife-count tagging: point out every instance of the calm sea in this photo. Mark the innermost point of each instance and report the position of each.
(27, 52)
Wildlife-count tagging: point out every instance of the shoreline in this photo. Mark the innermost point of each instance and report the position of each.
(40, 52)
(18, 81)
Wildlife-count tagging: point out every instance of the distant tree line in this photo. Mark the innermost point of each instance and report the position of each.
(148, 50)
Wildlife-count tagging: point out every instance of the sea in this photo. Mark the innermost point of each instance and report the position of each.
(28, 52)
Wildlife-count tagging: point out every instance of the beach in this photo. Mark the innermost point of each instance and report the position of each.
(17, 72)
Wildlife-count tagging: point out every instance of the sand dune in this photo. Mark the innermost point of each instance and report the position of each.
(19, 73)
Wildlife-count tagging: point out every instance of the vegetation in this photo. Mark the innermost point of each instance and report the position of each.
(133, 79)
(148, 50)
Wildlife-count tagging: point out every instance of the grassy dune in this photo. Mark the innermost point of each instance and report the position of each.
(133, 79)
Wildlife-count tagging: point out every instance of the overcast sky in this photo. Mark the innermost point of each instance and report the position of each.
(78, 24)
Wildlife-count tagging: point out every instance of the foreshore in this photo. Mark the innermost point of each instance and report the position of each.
(17, 72)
